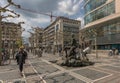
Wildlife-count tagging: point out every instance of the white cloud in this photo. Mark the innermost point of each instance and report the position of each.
(29, 23)
(82, 21)
(26, 34)
(26, 26)
(79, 18)
(2, 3)
(69, 7)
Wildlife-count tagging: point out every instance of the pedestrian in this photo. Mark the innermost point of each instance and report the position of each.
(66, 52)
(7, 56)
(110, 52)
(60, 51)
(3, 56)
(40, 51)
(113, 51)
(116, 52)
(21, 57)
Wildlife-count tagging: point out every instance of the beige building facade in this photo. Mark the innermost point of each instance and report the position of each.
(36, 38)
(11, 35)
(104, 17)
(31, 40)
(38, 35)
(59, 33)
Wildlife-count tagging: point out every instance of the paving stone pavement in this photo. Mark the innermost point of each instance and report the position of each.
(63, 78)
(41, 70)
(91, 74)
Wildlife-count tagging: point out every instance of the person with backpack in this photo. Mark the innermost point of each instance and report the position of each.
(21, 57)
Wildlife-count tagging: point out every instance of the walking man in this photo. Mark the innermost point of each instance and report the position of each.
(21, 57)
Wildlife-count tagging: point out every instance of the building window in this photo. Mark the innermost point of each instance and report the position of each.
(57, 27)
(100, 13)
(118, 27)
(92, 4)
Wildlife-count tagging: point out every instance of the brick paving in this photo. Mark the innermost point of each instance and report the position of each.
(41, 70)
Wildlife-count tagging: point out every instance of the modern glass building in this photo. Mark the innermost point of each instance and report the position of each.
(104, 16)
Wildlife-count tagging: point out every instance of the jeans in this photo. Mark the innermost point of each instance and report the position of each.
(21, 67)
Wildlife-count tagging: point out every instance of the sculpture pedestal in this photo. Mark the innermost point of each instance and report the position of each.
(73, 62)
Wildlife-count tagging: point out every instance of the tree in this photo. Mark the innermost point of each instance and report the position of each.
(4, 10)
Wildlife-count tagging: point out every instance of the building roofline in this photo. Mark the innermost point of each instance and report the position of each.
(58, 18)
(8, 23)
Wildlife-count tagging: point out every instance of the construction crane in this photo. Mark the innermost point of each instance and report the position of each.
(33, 11)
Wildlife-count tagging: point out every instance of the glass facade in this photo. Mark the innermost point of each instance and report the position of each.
(108, 35)
(109, 41)
(85, 0)
(111, 34)
(71, 29)
(92, 4)
(112, 28)
(100, 13)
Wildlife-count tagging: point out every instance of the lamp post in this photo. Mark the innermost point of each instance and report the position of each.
(3, 10)
(95, 39)
(32, 41)
(95, 36)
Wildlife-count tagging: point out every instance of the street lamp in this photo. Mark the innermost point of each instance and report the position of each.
(32, 40)
(95, 36)
(95, 39)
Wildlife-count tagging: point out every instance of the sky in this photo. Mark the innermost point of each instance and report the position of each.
(72, 9)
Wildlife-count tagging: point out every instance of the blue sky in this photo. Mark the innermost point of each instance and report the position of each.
(69, 8)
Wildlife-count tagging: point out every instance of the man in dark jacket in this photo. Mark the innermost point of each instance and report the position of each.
(21, 57)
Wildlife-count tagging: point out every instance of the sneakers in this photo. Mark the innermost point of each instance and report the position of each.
(21, 74)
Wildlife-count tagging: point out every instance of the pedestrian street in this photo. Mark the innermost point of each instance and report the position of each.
(41, 70)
